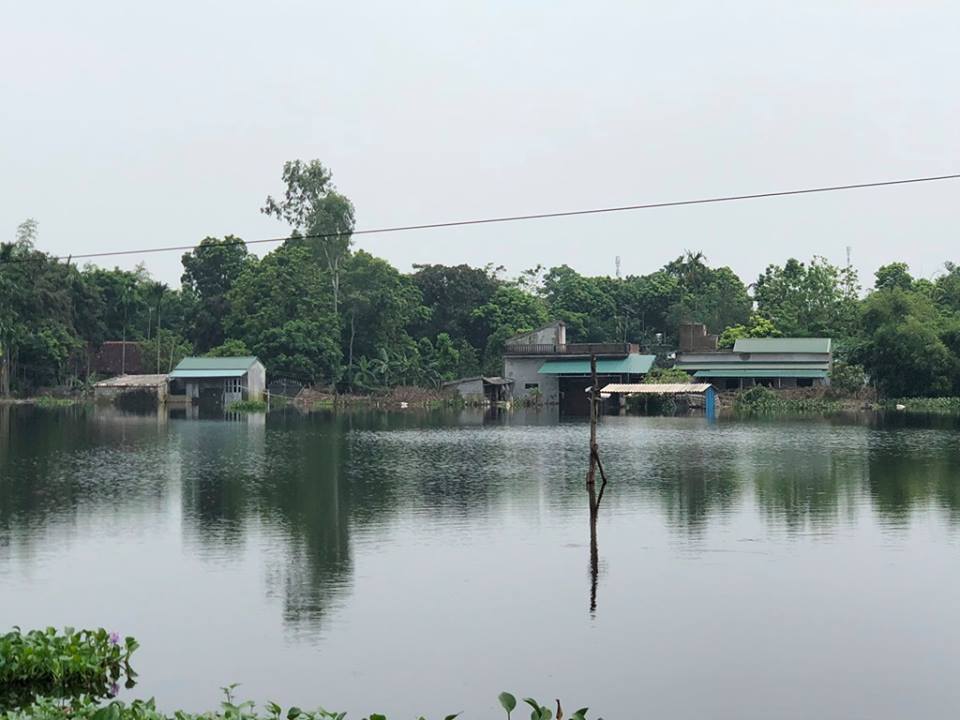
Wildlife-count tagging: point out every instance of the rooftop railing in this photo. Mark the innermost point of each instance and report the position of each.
(571, 349)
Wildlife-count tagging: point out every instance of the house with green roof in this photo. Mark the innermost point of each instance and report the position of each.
(780, 363)
(541, 364)
(218, 379)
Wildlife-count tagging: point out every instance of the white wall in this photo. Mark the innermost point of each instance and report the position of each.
(525, 371)
(256, 381)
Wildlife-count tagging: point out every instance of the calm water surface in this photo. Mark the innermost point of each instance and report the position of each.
(423, 563)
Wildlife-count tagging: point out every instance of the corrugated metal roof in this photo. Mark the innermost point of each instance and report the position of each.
(201, 374)
(213, 367)
(634, 364)
(132, 381)
(750, 372)
(655, 389)
(745, 366)
(782, 345)
(216, 363)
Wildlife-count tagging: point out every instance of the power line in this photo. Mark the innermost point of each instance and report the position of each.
(533, 216)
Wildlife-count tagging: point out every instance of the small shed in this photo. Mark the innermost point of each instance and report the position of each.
(149, 389)
(481, 389)
(219, 379)
(699, 390)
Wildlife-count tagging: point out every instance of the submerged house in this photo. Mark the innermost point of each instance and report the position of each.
(133, 390)
(772, 362)
(542, 365)
(481, 390)
(218, 379)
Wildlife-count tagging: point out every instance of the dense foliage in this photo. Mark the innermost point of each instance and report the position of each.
(319, 311)
(48, 662)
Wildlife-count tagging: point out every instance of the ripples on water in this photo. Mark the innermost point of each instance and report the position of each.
(425, 562)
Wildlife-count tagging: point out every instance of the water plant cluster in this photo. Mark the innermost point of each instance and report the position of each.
(248, 406)
(49, 675)
(937, 404)
(49, 401)
(760, 400)
(63, 664)
(85, 708)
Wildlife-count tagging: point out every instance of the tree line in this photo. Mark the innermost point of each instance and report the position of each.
(322, 312)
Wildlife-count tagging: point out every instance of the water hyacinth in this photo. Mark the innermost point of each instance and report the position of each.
(86, 709)
(62, 664)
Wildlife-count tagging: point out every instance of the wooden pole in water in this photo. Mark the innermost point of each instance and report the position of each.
(592, 471)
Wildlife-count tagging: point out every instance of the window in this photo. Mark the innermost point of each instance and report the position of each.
(231, 385)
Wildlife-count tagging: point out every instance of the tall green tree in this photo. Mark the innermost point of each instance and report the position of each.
(902, 348)
(715, 297)
(451, 294)
(808, 300)
(281, 309)
(209, 272)
(582, 303)
(312, 206)
(509, 312)
(379, 303)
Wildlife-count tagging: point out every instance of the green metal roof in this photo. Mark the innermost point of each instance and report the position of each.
(633, 364)
(199, 374)
(751, 372)
(207, 367)
(745, 366)
(782, 345)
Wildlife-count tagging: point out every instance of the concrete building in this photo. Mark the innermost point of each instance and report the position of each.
(772, 362)
(544, 367)
(694, 337)
(481, 390)
(218, 380)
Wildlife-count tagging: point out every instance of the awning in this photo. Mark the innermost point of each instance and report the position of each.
(655, 389)
(203, 374)
(633, 364)
(751, 373)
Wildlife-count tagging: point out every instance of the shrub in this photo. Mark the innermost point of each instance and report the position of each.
(667, 376)
(847, 379)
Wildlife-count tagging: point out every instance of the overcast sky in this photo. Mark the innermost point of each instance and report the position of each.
(129, 125)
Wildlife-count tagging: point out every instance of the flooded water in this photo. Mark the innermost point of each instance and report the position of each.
(423, 563)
